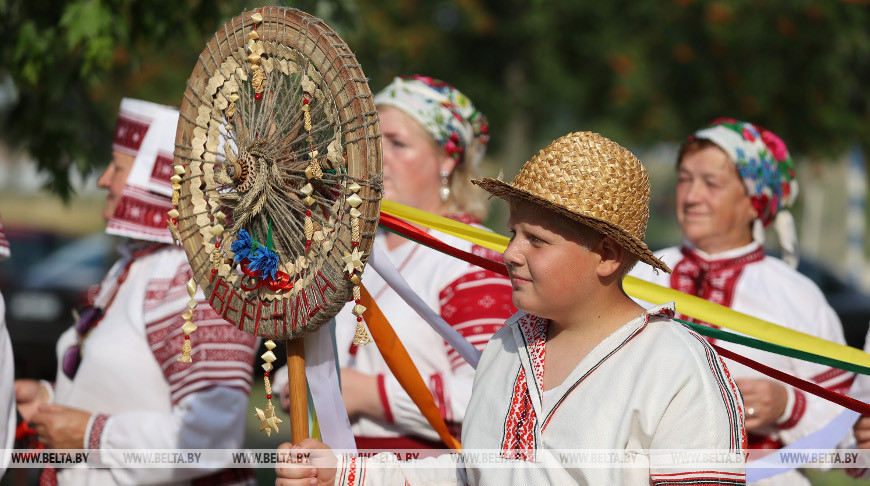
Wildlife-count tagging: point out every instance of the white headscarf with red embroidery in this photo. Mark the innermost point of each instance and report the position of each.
(147, 131)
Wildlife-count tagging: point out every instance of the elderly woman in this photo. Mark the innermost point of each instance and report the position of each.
(433, 142)
(735, 179)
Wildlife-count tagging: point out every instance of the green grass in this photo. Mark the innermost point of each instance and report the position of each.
(836, 477)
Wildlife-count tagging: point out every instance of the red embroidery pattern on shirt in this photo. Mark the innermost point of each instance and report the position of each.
(351, 472)
(96, 435)
(48, 477)
(797, 412)
(519, 433)
(476, 305)
(222, 355)
(711, 280)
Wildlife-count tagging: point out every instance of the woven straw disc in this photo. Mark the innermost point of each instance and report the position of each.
(244, 157)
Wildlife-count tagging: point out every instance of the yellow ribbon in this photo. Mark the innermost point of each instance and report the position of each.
(722, 316)
(403, 368)
(478, 236)
(655, 294)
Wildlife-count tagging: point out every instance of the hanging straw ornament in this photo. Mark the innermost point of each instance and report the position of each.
(268, 420)
(354, 265)
(188, 326)
(279, 151)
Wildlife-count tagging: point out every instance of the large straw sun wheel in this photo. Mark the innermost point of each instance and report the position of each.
(278, 163)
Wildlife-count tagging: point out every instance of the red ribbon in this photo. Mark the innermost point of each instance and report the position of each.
(839, 399)
(280, 283)
(408, 231)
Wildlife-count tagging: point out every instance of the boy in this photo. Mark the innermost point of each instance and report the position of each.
(581, 366)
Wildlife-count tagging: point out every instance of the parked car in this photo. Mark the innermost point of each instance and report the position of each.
(46, 279)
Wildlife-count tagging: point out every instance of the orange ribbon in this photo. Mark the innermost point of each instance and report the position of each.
(403, 368)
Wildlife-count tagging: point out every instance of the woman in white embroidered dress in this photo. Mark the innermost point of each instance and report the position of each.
(735, 179)
(433, 142)
(119, 384)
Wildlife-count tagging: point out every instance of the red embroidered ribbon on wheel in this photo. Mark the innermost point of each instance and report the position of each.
(281, 282)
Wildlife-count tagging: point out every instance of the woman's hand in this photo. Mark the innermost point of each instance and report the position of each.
(862, 432)
(764, 401)
(60, 427)
(308, 463)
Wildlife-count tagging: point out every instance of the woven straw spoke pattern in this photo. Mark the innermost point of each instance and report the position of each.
(245, 143)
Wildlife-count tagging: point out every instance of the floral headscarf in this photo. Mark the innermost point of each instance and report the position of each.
(767, 170)
(446, 114)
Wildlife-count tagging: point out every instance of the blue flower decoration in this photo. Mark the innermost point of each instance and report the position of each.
(242, 246)
(264, 262)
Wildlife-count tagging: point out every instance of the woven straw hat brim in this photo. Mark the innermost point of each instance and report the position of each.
(502, 189)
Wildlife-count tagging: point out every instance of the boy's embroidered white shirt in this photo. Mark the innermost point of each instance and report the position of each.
(651, 385)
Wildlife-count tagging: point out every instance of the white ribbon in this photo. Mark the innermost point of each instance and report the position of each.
(322, 374)
(381, 264)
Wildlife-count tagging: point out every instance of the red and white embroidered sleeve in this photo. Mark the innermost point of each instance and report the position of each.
(222, 355)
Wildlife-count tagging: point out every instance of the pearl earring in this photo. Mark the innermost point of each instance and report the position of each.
(445, 185)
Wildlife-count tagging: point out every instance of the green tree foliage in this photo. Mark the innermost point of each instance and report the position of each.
(72, 61)
(637, 71)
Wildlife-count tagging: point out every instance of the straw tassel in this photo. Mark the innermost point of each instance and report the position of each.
(354, 265)
(188, 326)
(361, 336)
(176, 197)
(268, 420)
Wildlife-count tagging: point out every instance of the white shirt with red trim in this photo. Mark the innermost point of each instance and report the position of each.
(649, 389)
(141, 397)
(476, 302)
(771, 290)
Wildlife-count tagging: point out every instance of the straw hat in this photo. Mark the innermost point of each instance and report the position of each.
(589, 179)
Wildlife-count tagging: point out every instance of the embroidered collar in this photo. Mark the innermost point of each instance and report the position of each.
(521, 429)
(713, 277)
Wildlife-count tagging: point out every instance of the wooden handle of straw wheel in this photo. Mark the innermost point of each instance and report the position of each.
(298, 389)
